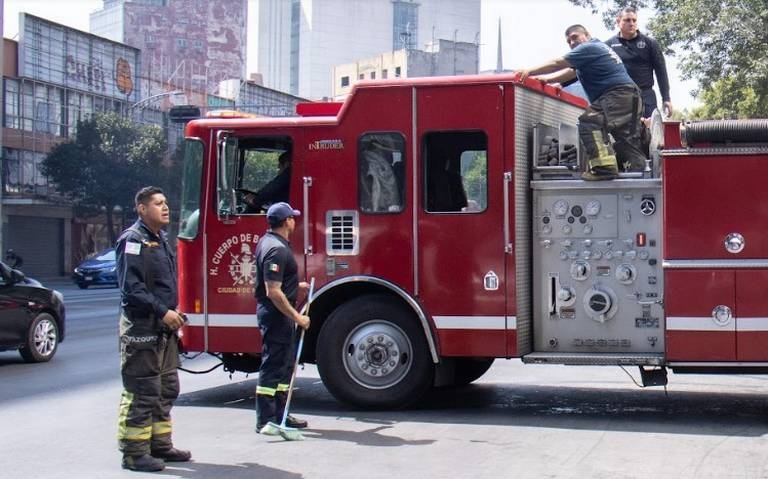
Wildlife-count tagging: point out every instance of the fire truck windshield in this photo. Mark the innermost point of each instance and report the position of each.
(190, 188)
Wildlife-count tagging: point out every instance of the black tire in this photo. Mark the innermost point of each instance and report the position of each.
(82, 285)
(470, 369)
(42, 339)
(392, 367)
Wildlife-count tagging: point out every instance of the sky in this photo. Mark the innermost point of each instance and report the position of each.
(532, 31)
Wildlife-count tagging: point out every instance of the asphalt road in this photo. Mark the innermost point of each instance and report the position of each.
(58, 420)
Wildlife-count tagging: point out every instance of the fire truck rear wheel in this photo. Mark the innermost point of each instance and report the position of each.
(372, 353)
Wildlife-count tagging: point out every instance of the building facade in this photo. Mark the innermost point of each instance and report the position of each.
(186, 44)
(443, 58)
(251, 97)
(53, 77)
(300, 41)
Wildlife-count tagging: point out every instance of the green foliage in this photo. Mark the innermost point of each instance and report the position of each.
(721, 43)
(260, 167)
(609, 9)
(730, 98)
(475, 176)
(107, 161)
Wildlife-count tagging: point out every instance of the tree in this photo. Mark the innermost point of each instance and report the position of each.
(106, 162)
(721, 43)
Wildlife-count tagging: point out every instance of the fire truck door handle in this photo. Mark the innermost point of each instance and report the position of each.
(508, 248)
(305, 216)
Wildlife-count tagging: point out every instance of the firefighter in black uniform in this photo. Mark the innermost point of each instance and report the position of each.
(642, 58)
(149, 343)
(277, 287)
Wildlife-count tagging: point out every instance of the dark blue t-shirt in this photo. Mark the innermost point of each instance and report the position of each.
(275, 262)
(598, 67)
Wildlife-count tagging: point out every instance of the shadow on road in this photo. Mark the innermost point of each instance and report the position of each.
(578, 408)
(247, 470)
(368, 437)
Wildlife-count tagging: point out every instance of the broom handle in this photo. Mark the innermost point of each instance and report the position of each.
(298, 355)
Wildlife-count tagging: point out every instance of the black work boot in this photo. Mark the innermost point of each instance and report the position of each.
(173, 455)
(295, 422)
(143, 463)
(597, 173)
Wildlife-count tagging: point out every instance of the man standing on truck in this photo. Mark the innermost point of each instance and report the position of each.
(615, 107)
(149, 342)
(277, 288)
(642, 58)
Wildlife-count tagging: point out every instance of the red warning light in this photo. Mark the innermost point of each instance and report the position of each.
(640, 239)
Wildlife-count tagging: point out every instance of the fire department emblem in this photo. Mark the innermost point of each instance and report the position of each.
(235, 256)
(242, 269)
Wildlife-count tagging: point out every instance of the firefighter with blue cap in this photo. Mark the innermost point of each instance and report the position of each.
(277, 289)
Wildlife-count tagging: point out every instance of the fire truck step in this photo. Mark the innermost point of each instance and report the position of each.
(595, 359)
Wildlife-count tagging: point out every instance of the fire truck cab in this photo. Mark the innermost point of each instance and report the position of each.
(445, 224)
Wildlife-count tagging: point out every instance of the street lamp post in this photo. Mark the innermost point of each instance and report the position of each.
(141, 104)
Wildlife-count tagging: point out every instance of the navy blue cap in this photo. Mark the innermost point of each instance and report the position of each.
(281, 211)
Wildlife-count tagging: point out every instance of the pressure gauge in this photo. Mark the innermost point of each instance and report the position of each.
(592, 208)
(561, 207)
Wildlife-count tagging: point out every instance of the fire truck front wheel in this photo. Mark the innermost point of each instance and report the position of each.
(372, 353)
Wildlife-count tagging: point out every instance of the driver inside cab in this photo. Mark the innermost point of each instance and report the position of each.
(273, 192)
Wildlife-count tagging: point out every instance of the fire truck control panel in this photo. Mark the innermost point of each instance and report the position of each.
(598, 279)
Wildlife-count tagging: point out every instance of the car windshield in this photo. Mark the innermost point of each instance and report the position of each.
(108, 255)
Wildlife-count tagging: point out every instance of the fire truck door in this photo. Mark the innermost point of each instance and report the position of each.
(245, 168)
(461, 276)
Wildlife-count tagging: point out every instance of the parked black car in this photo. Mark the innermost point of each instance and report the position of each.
(99, 269)
(31, 316)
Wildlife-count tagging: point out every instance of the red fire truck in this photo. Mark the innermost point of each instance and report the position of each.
(445, 224)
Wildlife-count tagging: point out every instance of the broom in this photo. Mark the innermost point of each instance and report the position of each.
(291, 433)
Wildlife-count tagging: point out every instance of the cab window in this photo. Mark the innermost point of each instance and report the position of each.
(456, 172)
(381, 172)
(263, 174)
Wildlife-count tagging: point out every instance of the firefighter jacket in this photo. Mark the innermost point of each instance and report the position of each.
(146, 269)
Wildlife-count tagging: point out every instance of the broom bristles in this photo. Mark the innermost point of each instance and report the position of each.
(288, 433)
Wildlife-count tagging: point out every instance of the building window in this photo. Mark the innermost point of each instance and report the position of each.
(361, 76)
(397, 72)
(198, 44)
(344, 81)
(384, 74)
(181, 42)
(381, 172)
(456, 172)
(12, 117)
(373, 75)
(405, 25)
(21, 173)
